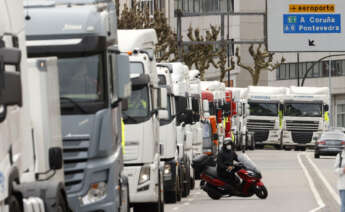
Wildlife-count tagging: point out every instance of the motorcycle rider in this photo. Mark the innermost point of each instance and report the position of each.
(226, 160)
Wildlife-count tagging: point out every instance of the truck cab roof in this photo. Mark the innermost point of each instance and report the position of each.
(44, 23)
(142, 39)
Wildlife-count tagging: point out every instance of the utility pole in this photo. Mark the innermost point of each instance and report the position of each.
(330, 92)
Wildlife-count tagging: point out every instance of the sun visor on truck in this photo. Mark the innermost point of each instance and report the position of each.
(264, 101)
(88, 45)
(303, 102)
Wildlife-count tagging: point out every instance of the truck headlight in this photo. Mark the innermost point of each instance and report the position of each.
(144, 175)
(97, 192)
(167, 169)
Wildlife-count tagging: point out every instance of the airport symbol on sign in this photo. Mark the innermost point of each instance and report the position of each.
(312, 23)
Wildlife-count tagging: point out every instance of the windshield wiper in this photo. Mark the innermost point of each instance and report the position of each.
(76, 104)
(127, 117)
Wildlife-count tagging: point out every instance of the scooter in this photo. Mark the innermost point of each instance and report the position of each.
(216, 187)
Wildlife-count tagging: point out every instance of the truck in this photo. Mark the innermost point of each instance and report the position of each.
(210, 131)
(237, 118)
(143, 149)
(93, 82)
(216, 106)
(263, 115)
(172, 168)
(31, 167)
(305, 116)
(196, 100)
(184, 120)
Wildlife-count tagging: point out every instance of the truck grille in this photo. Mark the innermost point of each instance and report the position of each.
(302, 137)
(76, 153)
(302, 125)
(253, 124)
(260, 136)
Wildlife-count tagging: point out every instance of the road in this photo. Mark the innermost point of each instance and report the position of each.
(295, 180)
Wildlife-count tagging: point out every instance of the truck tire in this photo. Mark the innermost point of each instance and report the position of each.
(192, 183)
(179, 187)
(14, 204)
(170, 197)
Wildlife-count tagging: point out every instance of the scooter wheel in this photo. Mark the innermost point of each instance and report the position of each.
(261, 192)
(213, 195)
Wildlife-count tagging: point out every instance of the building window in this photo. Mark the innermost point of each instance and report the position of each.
(293, 73)
(341, 115)
(288, 71)
(204, 6)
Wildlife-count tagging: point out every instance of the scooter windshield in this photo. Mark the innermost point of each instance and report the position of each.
(247, 162)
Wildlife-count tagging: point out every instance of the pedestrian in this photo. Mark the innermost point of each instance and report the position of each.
(340, 170)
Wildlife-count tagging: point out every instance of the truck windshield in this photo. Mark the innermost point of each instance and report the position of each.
(263, 109)
(138, 105)
(82, 82)
(303, 109)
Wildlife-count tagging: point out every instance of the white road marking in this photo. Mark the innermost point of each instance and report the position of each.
(176, 208)
(186, 203)
(316, 194)
(322, 177)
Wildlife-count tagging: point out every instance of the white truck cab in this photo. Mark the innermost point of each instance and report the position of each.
(93, 81)
(184, 119)
(142, 156)
(168, 139)
(263, 114)
(305, 116)
(195, 93)
(237, 119)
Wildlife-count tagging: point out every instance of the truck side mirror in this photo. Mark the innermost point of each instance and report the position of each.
(11, 56)
(163, 98)
(246, 110)
(55, 158)
(161, 149)
(11, 94)
(239, 109)
(196, 117)
(122, 83)
(326, 108)
(124, 104)
(163, 114)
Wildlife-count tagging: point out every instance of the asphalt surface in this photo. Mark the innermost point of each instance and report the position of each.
(295, 181)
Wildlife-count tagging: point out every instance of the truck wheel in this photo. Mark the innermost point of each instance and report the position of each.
(179, 184)
(183, 183)
(14, 204)
(192, 183)
(170, 197)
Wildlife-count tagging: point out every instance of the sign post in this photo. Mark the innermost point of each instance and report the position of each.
(306, 25)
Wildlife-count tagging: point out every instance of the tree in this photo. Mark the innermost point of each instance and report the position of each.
(263, 60)
(222, 61)
(201, 55)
